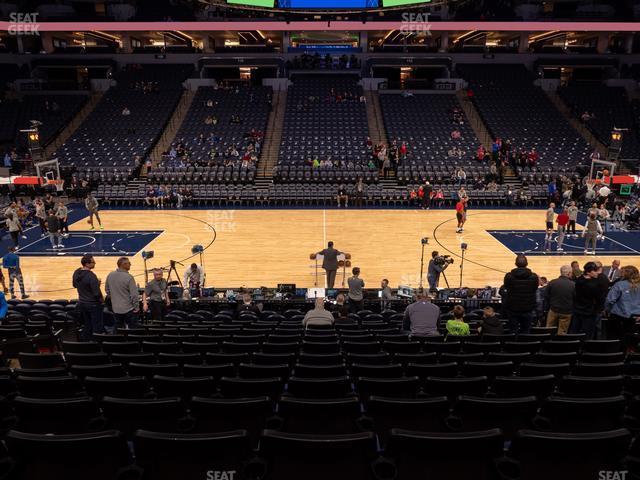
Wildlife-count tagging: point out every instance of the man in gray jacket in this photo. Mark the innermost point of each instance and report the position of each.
(318, 316)
(122, 289)
(561, 293)
(421, 317)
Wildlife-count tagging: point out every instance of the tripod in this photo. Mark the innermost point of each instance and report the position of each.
(421, 265)
(172, 269)
(445, 279)
(464, 249)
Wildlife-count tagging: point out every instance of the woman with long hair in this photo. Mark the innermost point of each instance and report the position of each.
(623, 305)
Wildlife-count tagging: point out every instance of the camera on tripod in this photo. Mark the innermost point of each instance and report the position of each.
(442, 260)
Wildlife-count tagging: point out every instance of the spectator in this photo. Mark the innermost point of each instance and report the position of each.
(490, 323)
(385, 293)
(90, 300)
(613, 273)
(541, 300)
(623, 305)
(356, 297)
(341, 309)
(121, 288)
(4, 306)
(421, 317)
(247, 305)
(457, 325)
(318, 315)
(576, 271)
(589, 302)
(561, 293)
(520, 287)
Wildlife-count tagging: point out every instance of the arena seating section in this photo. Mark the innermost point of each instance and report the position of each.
(323, 129)
(197, 374)
(513, 108)
(250, 103)
(109, 140)
(611, 108)
(424, 122)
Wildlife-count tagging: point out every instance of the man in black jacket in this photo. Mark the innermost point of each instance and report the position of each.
(589, 303)
(520, 286)
(90, 300)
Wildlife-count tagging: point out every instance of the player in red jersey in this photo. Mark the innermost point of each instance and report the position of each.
(562, 220)
(461, 214)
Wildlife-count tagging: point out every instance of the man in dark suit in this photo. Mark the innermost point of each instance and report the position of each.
(613, 273)
(330, 263)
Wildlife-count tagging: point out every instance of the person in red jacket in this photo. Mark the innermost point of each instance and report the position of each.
(562, 221)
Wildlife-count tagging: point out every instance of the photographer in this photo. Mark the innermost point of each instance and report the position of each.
(437, 265)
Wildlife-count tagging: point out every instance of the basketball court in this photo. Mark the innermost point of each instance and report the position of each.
(254, 248)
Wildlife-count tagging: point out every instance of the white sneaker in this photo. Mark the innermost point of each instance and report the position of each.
(24, 237)
(42, 235)
(60, 245)
(66, 235)
(586, 252)
(560, 249)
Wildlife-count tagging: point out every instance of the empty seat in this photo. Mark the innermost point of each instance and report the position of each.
(437, 455)
(129, 415)
(165, 456)
(320, 416)
(72, 457)
(558, 456)
(60, 416)
(335, 387)
(563, 414)
(289, 454)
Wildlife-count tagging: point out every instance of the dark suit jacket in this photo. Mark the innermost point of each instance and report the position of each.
(330, 261)
(616, 275)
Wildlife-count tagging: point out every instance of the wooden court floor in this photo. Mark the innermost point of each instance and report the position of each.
(265, 247)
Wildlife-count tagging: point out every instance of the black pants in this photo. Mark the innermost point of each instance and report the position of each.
(43, 226)
(355, 305)
(572, 227)
(14, 237)
(331, 278)
(621, 328)
(158, 308)
(64, 226)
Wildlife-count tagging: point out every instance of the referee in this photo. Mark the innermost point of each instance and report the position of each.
(155, 296)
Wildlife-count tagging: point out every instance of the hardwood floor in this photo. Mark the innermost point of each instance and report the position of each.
(255, 248)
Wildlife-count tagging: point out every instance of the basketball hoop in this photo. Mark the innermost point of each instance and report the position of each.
(59, 184)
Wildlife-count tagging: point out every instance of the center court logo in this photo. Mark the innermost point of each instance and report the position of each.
(415, 23)
(24, 24)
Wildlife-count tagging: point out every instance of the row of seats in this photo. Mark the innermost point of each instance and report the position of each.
(409, 454)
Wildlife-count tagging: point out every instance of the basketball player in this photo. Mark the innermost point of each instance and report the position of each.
(92, 205)
(573, 218)
(562, 221)
(461, 214)
(590, 233)
(548, 240)
(550, 214)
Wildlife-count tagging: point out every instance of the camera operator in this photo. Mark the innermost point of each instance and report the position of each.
(194, 278)
(437, 265)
